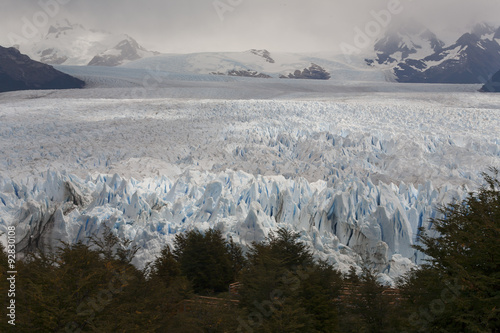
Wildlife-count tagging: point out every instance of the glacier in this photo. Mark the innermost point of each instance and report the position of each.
(355, 174)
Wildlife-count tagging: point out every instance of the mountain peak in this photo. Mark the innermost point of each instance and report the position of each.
(62, 26)
(497, 34)
(125, 51)
(404, 40)
(69, 43)
(483, 29)
(468, 39)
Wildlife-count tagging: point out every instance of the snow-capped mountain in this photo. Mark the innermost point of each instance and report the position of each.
(411, 40)
(472, 59)
(125, 51)
(484, 31)
(496, 36)
(72, 44)
(417, 55)
(19, 72)
(259, 63)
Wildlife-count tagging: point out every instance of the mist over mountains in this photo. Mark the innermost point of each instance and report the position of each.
(407, 52)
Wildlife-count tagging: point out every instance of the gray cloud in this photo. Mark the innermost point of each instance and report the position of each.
(279, 25)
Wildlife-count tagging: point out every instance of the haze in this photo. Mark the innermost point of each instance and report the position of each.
(181, 26)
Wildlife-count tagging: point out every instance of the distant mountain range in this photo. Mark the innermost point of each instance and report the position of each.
(256, 64)
(412, 40)
(416, 55)
(19, 72)
(66, 43)
(408, 53)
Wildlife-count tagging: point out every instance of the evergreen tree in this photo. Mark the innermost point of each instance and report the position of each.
(364, 308)
(464, 258)
(206, 260)
(284, 290)
(165, 268)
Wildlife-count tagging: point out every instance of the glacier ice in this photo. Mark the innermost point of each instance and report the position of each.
(379, 223)
(355, 175)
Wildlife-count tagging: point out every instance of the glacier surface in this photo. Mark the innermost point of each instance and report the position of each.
(356, 174)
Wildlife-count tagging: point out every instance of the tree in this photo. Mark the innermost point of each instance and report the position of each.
(466, 253)
(111, 247)
(285, 290)
(365, 308)
(165, 268)
(206, 260)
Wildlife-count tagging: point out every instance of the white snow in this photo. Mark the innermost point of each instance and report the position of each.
(453, 54)
(285, 63)
(355, 167)
(76, 43)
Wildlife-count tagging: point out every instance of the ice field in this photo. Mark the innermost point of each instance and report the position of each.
(355, 167)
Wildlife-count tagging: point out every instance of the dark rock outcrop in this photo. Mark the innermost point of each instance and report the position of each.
(248, 73)
(314, 72)
(264, 54)
(244, 73)
(19, 72)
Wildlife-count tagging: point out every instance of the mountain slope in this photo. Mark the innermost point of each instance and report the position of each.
(469, 60)
(72, 44)
(19, 72)
(125, 51)
(262, 62)
(411, 40)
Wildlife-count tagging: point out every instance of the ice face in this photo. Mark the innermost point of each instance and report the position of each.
(355, 175)
(376, 222)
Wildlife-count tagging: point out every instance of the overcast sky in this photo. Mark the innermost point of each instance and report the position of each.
(238, 25)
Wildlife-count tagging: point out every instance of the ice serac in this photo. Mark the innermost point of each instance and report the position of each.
(346, 224)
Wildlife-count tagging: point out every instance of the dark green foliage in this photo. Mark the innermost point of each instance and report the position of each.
(318, 293)
(165, 268)
(68, 289)
(111, 247)
(463, 272)
(238, 260)
(284, 290)
(365, 308)
(206, 260)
